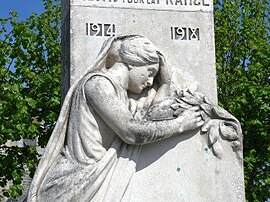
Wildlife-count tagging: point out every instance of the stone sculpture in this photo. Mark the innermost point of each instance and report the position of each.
(125, 99)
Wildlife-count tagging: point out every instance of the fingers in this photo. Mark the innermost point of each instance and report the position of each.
(191, 112)
(195, 108)
(198, 119)
(200, 123)
(197, 114)
(178, 112)
(175, 106)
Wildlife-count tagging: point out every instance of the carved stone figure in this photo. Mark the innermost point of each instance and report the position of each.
(125, 99)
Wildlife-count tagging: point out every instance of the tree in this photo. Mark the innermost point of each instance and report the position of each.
(29, 90)
(30, 87)
(243, 61)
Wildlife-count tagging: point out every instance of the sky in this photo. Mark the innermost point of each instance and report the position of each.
(23, 7)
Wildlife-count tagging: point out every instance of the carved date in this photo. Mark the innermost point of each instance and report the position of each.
(98, 29)
(184, 33)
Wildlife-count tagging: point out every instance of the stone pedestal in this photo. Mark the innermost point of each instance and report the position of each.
(181, 168)
(184, 169)
(184, 33)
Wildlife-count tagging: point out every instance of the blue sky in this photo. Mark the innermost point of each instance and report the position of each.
(23, 7)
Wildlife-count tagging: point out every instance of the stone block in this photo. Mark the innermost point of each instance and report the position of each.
(181, 168)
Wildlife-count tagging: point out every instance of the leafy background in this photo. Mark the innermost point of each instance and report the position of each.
(30, 88)
(29, 91)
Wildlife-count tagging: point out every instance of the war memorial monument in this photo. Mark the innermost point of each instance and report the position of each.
(139, 119)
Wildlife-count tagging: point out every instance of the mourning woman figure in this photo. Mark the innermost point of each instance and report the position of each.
(92, 153)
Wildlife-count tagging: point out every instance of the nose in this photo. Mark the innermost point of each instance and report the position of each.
(150, 81)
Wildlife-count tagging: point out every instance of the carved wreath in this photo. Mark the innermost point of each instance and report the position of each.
(219, 124)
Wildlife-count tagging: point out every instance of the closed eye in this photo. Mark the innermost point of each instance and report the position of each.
(152, 72)
(153, 69)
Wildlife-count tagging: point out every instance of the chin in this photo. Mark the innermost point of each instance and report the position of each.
(138, 90)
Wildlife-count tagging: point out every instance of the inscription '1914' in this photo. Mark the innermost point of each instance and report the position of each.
(184, 33)
(98, 29)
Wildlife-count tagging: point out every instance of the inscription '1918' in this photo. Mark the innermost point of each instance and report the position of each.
(184, 33)
(98, 29)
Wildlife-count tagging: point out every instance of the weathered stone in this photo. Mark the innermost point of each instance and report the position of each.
(199, 155)
(159, 22)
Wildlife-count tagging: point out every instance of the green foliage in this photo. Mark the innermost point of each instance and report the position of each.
(29, 90)
(243, 67)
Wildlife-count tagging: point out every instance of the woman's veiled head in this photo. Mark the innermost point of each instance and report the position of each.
(142, 58)
(138, 51)
(133, 51)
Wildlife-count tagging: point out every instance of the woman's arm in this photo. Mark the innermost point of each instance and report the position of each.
(100, 94)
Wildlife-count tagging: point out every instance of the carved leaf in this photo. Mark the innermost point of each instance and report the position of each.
(207, 109)
(190, 99)
(175, 106)
(213, 134)
(185, 106)
(205, 117)
(205, 128)
(222, 113)
(196, 95)
(200, 96)
(178, 112)
(206, 100)
(236, 145)
(217, 150)
(182, 104)
(161, 110)
(228, 131)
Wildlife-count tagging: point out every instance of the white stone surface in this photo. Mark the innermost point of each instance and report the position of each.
(181, 168)
(194, 57)
(170, 5)
(186, 170)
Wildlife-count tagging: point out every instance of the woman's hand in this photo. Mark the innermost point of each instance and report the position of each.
(165, 77)
(190, 119)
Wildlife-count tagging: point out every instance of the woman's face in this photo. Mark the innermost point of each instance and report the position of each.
(142, 76)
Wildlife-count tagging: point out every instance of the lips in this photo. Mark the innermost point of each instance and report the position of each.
(144, 85)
